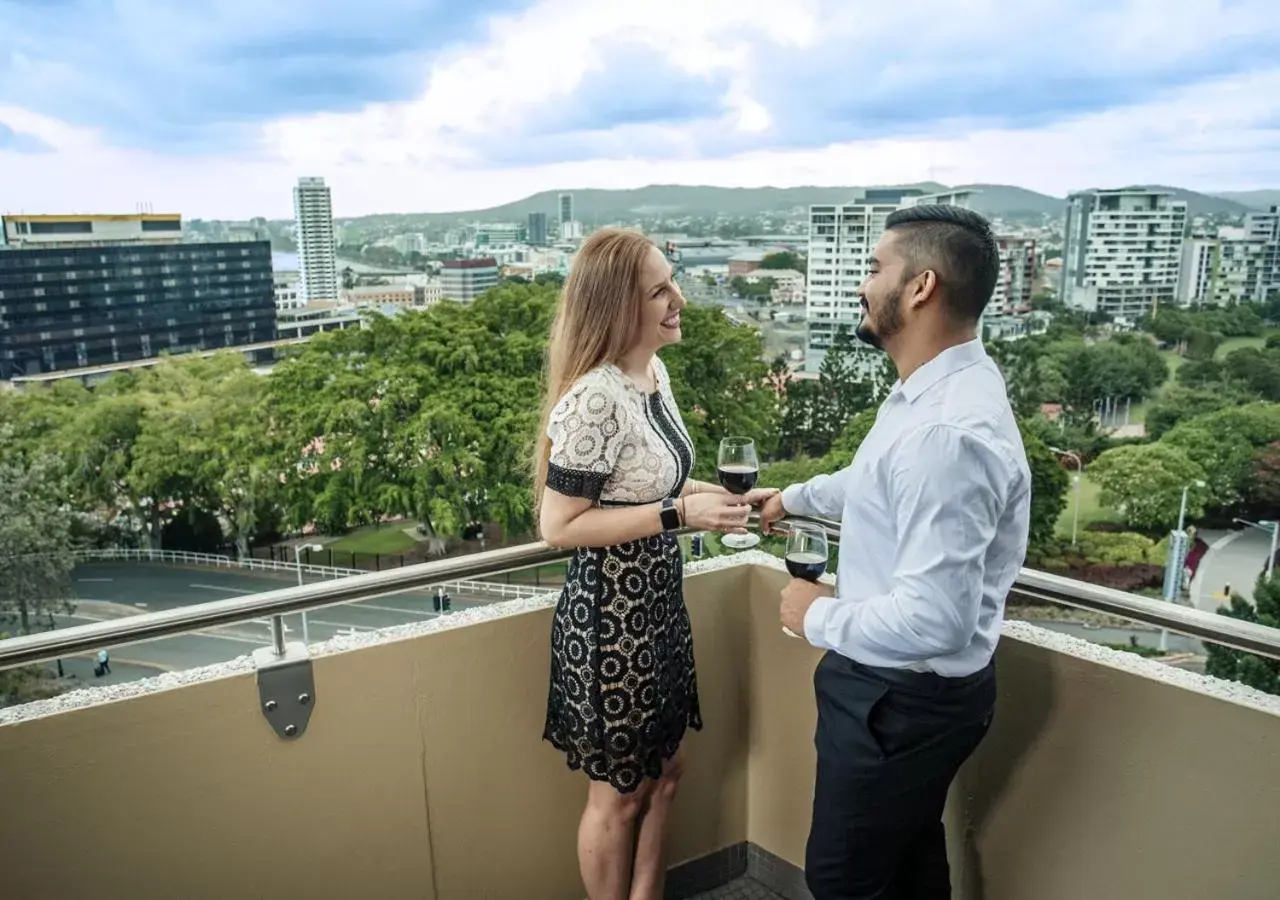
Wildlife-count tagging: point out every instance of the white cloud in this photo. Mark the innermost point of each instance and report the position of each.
(427, 154)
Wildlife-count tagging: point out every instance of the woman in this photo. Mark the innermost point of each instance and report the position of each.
(613, 463)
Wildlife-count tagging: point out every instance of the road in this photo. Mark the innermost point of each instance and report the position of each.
(1236, 558)
(117, 590)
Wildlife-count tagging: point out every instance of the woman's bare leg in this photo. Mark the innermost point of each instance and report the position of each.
(650, 875)
(605, 837)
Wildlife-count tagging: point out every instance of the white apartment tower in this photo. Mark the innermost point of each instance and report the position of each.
(1122, 251)
(317, 252)
(841, 238)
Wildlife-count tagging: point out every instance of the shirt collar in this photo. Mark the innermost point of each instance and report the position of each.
(944, 365)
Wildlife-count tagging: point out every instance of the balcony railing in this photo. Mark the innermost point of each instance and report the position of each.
(420, 772)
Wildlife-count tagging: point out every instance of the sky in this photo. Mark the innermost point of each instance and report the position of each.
(214, 109)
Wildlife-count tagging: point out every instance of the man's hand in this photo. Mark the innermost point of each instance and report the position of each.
(797, 597)
(770, 512)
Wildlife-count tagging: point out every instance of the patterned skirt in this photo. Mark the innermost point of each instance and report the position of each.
(623, 686)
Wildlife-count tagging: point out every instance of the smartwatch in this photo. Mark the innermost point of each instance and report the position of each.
(670, 515)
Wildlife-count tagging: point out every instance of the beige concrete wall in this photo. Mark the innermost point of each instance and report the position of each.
(1093, 782)
(422, 774)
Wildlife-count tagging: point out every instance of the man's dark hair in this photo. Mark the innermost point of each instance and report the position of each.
(958, 245)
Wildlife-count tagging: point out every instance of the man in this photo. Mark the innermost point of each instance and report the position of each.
(934, 510)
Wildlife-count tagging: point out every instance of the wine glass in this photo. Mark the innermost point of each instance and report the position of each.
(806, 554)
(738, 469)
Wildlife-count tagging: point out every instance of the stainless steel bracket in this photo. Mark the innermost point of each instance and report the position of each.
(286, 688)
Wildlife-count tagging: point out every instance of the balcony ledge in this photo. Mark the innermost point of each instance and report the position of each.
(1229, 691)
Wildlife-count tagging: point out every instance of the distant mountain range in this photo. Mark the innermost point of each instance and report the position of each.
(672, 201)
(1253, 199)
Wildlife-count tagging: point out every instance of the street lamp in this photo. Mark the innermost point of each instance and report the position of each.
(1075, 516)
(1182, 513)
(1272, 528)
(1177, 552)
(297, 560)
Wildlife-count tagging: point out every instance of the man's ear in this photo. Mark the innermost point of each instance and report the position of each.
(922, 288)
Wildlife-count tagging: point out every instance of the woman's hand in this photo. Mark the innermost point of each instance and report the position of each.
(717, 512)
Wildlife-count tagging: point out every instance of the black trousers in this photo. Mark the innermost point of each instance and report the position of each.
(889, 744)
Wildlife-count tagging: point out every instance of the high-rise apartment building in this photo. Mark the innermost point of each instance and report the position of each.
(1195, 277)
(466, 279)
(317, 252)
(1122, 251)
(88, 304)
(537, 229)
(566, 208)
(1266, 227)
(841, 238)
(1016, 281)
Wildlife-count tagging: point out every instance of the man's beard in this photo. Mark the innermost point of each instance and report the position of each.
(885, 329)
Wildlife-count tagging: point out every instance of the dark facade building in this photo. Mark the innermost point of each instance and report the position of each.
(537, 230)
(68, 307)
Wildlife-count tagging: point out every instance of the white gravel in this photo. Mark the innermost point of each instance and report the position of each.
(1224, 690)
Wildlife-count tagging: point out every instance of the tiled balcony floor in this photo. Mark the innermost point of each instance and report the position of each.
(741, 889)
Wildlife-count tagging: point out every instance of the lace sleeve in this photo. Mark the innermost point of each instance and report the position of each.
(586, 437)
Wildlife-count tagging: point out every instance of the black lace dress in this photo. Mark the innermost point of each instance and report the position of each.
(623, 686)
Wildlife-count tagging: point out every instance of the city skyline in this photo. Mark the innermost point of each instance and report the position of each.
(230, 103)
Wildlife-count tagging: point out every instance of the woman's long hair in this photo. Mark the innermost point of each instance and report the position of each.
(595, 322)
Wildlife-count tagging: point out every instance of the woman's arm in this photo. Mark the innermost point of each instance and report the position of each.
(576, 522)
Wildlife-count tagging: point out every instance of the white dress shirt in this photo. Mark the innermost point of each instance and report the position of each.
(934, 512)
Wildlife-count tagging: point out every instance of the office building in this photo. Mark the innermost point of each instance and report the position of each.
(566, 209)
(1122, 251)
(1016, 281)
(466, 279)
(287, 287)
(75, 306)
(841, 239)
(499, 234)
(317, 252)
(537, 229)
(90, 230)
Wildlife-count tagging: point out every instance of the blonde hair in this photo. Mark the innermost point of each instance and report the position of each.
(596, 322)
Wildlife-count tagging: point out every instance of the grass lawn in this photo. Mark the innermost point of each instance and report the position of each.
(390, 539)
(1090, 509)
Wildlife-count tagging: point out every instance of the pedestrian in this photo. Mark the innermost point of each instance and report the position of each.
(104, 663)
(935, 512)
(613, 463)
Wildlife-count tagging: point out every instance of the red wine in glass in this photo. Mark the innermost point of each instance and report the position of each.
(738, 468)
(806, 553)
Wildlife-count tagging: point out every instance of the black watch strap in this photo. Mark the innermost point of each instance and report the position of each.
(670, 515)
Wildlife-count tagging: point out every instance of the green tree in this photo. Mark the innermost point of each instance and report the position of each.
(1236, 665)
(1226, 457)
(37, 542)
(785, 260)
(843, 388)
(1178, 403)
(1257, 371)
(1263, 489)
(1202, 344)
(549, 279)
(1144, 483)
(722, 383)
(1200, 373)
(1049, 482)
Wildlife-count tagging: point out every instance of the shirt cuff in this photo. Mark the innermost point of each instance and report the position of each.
(815, 622)
(793, 500)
